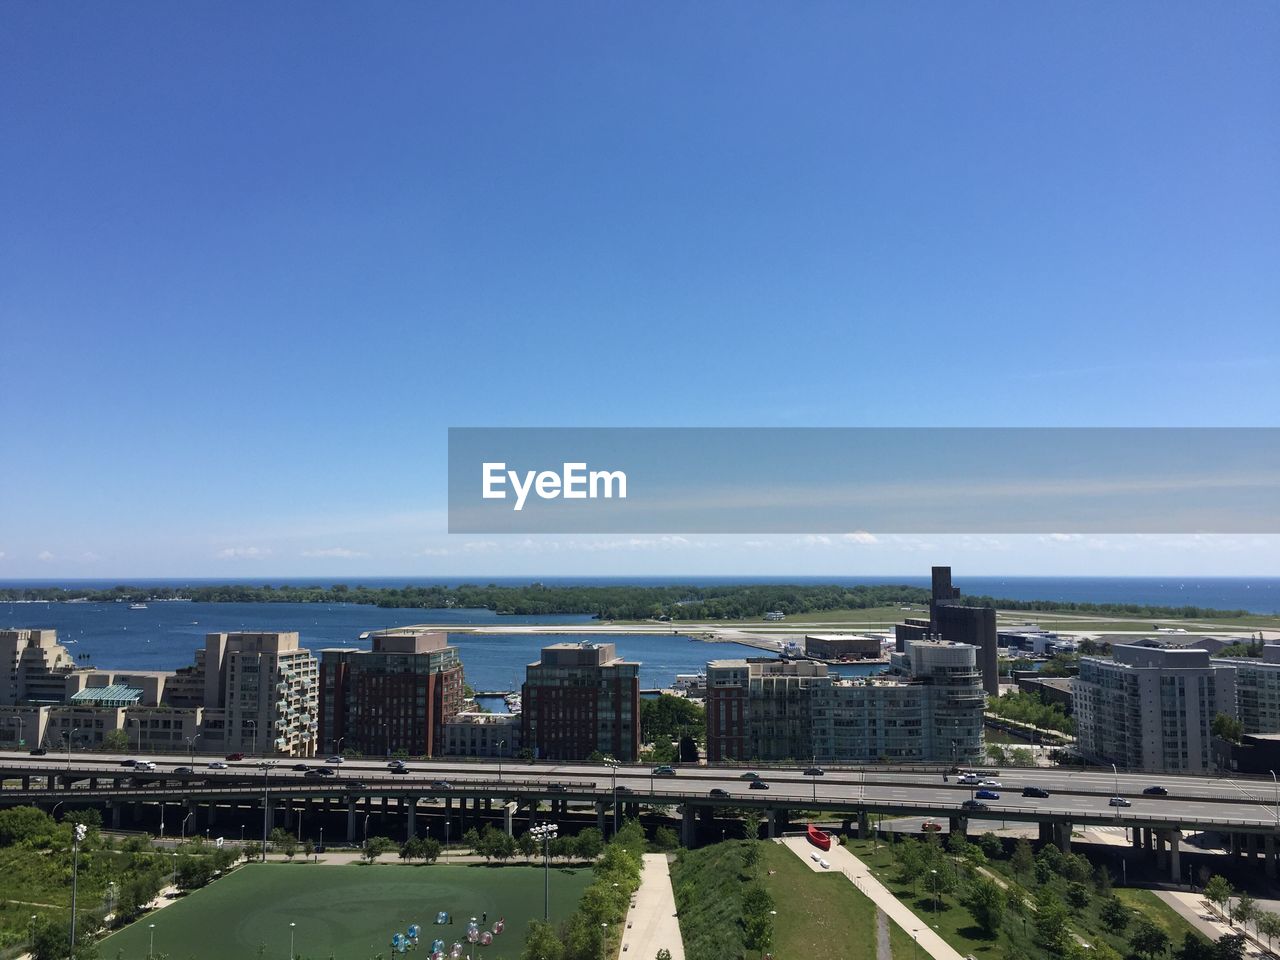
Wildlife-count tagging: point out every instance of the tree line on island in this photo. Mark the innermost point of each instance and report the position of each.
(676, 602)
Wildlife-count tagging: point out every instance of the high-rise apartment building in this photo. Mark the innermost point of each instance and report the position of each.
(952, 621)
(1151, 708)
(396, 697)
(1257, 689)
(579, 699)
(773, 711)
(34, 667)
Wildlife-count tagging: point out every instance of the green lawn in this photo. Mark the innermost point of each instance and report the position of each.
(820, 916)
(348, 912)
(1157, 911)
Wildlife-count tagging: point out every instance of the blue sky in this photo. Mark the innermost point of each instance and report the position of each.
(255, 261)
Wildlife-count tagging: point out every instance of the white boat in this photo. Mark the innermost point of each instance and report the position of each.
(137, 606)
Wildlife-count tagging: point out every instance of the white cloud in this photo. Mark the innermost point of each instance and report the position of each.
(243, 553)
(341, 553)
(815, 540)
(1061, 538)
(88, 556)
(860, 536)
(44, 556)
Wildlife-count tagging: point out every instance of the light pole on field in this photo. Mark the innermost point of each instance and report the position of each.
(546, 832)
(292, 925)
(502, 744)
(151, 940)
(266, 803)
(78, 833)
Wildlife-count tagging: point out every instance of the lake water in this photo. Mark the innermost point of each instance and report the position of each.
(165, 635)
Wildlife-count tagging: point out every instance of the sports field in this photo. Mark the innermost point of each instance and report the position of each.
(345, 912)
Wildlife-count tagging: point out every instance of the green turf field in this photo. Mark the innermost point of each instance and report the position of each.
(347, 912)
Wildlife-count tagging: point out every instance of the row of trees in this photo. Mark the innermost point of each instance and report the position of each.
(1031, 708)
(601, 910)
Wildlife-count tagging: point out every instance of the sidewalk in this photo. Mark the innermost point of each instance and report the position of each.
(1192, 908)
(651, 921)
(842, 861)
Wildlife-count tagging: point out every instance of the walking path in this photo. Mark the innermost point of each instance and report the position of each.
(884, 949)
(651, 922)
(859, 875)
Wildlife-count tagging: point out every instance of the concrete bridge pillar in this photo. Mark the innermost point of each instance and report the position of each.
(411, 823)
(1175, 862)
(775, 818)
(1046, 833)
(864, 825)
(115, 815)
(1162, 857)
(351, 821)
(488, 804)
(509, 818)
(1136, 838)
(600, 818)
(1269, 855)
(1063, 831)
(1233, 844)
(211, 814)
(93, 783)
(959, 825)
(1251, 845)
(1146, 839)
(26, 783)
(686, 826)
(52, 779)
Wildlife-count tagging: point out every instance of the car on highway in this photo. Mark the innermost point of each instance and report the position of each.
(217, 765)
(619, 789)
(127, 763)
(400, 769)
(749, 775)
(719, 792)
(969, 779)
(325, 771)
(988, 782)
(145, 765)
(235, 756)
(1155, 791)
(391, 765)
(557, 788)
(334, 760)
(441, 785)
(665, 770)
(759, 785)
(357, 785)
(987, 795)
(183, 770)
(976, 805)
(1119, 802)
(1039, 792)
(316, 774)
(301, 766)
(931, 826)
(37, 752)
(814, 772)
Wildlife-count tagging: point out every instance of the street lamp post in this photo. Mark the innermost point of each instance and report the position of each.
(338, 754)
(18, 721)
(253, 751)
(78, 834)
(183, 838)
(933, 882)
(1276, 784)
(546, 832)
(32, 942)
(70, 740)
(292, 925)
(501, 746)
(191, 749)
(366, 832)
(613, 788)
(151, 940)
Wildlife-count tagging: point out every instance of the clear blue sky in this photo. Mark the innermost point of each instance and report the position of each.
(254, 260)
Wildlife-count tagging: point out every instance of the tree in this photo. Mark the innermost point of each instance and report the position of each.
(115, 741)
(1051, 922)
(991, 845)
(1230, 946)
(1147, 939)
(1219, 893)
(1246, 909)
(1077, 895)
(376, 847)
(1194, 947)
(1227, 727)
(1022, 757)
(751, 854)
(666, 839)
(527, 844)
(1268, 925)
(588, 844)
(430, 849)
(282, 841)
(541, 942)
(50, 942)
(997, 754)
(664, 954)
(1114, 914)
(1022, 862)
(986, 904)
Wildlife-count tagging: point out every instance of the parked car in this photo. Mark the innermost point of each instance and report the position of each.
(718, 792)
(1035, 792)
(235, 756)
(217, 765)
(814, 772)
(1119, 802)
(666, 770)
(1156, 791)
(987, 795)
(749, 775)
(759, 785)
(974, 805)
(38, 752)
(968, 779)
